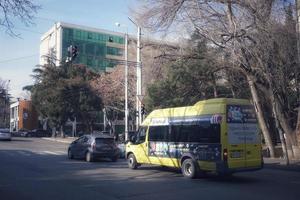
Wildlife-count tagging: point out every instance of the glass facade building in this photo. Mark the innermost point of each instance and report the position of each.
(97, 48)
(94, 49)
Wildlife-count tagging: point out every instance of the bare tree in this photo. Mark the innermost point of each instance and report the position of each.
(22, 10)
(242, 29)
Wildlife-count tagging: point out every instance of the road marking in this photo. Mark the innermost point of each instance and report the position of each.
(51, 152)
(10, 153)
(24, 153)
(297, 182)
(61, 152)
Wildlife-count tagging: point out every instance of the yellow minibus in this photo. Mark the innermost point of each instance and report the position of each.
(217, 135)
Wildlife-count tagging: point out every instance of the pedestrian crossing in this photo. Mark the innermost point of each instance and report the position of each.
(31, 153)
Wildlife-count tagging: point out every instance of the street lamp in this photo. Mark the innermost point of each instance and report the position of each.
(126, 81)
(138, 76)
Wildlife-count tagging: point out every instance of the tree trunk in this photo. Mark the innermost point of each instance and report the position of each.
(54, 132)
(62, 133)
(260, 117)
(297, 131)
(290, 134)
(232, 92)
(298, 126)
(282, 139)
(215, 86)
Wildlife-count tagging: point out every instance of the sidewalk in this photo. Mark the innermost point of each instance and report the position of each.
(280, 163)
(66, 140)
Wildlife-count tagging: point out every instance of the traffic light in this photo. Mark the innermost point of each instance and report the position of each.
(72, 52)
(143, 110)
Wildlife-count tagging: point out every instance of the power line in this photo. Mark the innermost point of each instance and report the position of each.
(18, 58)
(46, 19)
(28, 30)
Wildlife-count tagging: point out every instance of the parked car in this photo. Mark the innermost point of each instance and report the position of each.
(38, 133)
(93, 147)
(121, 147)
(5, 134)
(20, 133)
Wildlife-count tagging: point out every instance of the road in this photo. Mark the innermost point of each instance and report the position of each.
(38, 169)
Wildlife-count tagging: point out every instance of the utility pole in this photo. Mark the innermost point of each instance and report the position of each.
(138, 76)
(126, 86)
(138, 79)
(126, 80)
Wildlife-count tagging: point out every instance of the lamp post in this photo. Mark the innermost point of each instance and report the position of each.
(126, 81)
(138, 76)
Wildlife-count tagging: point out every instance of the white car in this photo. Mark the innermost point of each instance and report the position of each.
(5, 134)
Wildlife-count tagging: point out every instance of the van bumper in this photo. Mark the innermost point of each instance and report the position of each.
(223, 168)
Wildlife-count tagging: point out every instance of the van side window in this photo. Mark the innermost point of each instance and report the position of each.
(159, 133)
(201, 133)
(141, 136)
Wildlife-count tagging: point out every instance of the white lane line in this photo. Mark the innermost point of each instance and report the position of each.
(51, 152)
(10, 153)
(24, 153)
(295, 182)
(61, 152)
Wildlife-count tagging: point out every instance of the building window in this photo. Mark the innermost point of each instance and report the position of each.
(100, 37)
(114, 51)
(90, 36)
(110, 39)
(121, 40)
(78, 34)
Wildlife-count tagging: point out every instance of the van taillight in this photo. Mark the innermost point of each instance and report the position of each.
(225, 155)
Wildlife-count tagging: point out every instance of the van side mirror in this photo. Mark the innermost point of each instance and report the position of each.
(131, 139)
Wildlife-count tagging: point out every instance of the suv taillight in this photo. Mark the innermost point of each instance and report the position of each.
(94, 145)
(225, 155)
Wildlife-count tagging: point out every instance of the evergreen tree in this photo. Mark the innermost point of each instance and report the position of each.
(63, 92)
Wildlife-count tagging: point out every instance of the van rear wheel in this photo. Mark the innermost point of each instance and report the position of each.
(132, 163)
(189, 168)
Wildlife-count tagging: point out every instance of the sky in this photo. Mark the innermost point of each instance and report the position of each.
(18, 56)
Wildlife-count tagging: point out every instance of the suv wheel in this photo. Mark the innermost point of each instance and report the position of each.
(114, 159)
(189, 168)
(132, 163)
(70, 155)
(88, 157)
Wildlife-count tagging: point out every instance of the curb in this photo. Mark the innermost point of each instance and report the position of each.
(277, 163)
(58, 140)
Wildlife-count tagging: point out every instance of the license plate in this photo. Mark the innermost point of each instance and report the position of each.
(236, 154)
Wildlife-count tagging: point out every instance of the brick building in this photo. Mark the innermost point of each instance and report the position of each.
(23, 116)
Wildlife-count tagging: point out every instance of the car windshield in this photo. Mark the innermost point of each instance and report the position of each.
(4, 130)
(104, 140)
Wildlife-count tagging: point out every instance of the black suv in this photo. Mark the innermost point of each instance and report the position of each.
(92, 147)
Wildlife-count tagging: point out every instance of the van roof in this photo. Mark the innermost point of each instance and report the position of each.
(204, 107)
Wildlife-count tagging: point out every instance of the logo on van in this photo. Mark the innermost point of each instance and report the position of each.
(216, 119)
(159, 121)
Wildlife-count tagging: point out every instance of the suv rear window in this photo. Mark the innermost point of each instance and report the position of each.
(104, 140)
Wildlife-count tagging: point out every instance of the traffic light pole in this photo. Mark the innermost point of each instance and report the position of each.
(138, 80)
(126, 86)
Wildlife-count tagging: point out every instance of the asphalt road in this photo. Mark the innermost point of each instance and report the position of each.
(38, 169)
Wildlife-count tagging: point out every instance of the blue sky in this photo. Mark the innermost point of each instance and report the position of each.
(94, 13)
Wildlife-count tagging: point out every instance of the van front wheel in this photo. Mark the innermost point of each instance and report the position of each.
(132, 163)
(189, 168)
